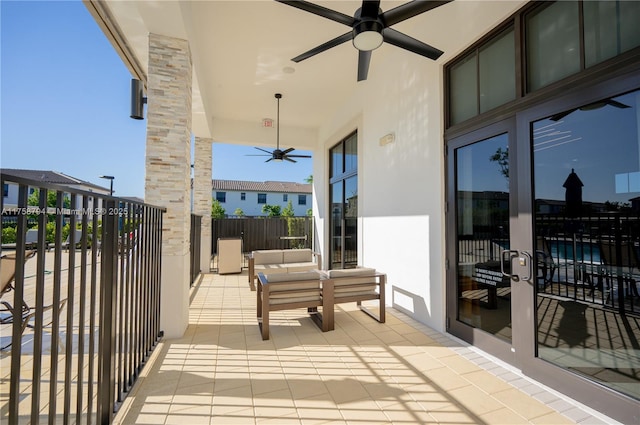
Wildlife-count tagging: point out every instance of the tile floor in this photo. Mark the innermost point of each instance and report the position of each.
(364, 372)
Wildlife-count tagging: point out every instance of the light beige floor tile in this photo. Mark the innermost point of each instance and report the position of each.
(525, 405)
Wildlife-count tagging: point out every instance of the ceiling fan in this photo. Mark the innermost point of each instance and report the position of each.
(369, 28)
(277, 154)
(590, 107)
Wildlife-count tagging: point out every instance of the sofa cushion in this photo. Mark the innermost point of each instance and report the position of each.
(296, 276)
(359, 271)
(302, 267)
(301, 297)
(297, 255)
(270, 268)
(268, 256)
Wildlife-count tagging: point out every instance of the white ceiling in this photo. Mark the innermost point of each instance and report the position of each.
(240, 50)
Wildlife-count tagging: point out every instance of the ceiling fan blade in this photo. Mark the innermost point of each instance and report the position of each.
(364, 58)
(258, 154)
(286, 158)
(320, 11)
(617, 104)
(288, 150)
(264, 150)
(370, 8)
(299, 156)
(403, 41)
(325, 46)
(270, 159)
(409, 10)
(559, 116)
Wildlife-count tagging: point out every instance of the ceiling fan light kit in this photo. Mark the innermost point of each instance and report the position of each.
(367, 35)
(370, 27)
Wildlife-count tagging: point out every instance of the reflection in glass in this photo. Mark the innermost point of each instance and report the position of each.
(553, 43)
(587, 235)
(351, 222)
(336, 225)
(482, 204)
(344, 204)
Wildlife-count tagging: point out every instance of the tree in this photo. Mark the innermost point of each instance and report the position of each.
(217, 211)
(238, 212)
(309, 179)
(271, 210)
(34, 199)
(288, 211)
(502, 158)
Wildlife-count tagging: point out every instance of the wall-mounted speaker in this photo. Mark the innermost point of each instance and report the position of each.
(137, 100)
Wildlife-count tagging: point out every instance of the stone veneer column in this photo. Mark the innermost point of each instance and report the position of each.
(168, 171)
(202, 197)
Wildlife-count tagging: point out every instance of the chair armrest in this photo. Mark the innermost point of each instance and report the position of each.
(318, 259)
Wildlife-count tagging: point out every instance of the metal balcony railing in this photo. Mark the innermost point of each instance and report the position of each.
(81, 312)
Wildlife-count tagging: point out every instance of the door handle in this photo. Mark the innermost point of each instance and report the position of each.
(511, 253)
(526, 258)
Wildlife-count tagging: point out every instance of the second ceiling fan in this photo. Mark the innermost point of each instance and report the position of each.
(370, 28)
(278, 154)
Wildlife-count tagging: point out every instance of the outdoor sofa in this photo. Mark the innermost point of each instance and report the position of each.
(274, 261)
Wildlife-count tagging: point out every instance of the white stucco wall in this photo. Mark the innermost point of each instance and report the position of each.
(401, 185)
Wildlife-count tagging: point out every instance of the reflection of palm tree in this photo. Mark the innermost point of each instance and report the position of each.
(502, 158)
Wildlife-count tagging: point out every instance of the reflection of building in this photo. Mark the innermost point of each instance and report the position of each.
(490, 210)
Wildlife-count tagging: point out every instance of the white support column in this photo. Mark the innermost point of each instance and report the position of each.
(168, 171)
(202, 196)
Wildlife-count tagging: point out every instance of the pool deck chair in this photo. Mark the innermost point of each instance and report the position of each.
(289, 291)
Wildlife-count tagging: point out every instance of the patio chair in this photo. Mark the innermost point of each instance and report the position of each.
(618, 265)
(7, 275)
(356, 285)
(9, 312)
(288, 291)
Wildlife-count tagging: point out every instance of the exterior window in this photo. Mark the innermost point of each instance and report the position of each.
(243, 196)
(302, 199)
(221, 196)
(484, 79)
(343, 212)
(5, 190)
(262, 198)
(610, 28)
(553, 44)
(560, 39)
(285, 197)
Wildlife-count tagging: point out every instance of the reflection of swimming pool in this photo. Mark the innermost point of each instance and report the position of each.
(586, 252)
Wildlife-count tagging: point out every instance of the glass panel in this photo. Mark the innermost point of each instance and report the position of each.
(351, 222)
(482, 205)
(351, 153)
(610, 28)
(553, 44)
(336, 158)
(464, 90)
(498, 72)
(336, 225)
(587, 233)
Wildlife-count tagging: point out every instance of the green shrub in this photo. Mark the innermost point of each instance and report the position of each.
(8, 235)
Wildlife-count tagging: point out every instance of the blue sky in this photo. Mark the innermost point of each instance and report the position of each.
(65, 104)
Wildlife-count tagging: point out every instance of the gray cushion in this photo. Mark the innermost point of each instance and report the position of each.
(291, 277)
(359, 271)
(268, 256)
(297, 255)
(301, 267)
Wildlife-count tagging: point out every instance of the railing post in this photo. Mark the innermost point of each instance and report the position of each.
(108, 281)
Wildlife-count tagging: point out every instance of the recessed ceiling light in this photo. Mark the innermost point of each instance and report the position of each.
(288, 70)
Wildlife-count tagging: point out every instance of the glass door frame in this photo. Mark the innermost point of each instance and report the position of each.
(522, 353)
(581, 388)
(483, 340)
